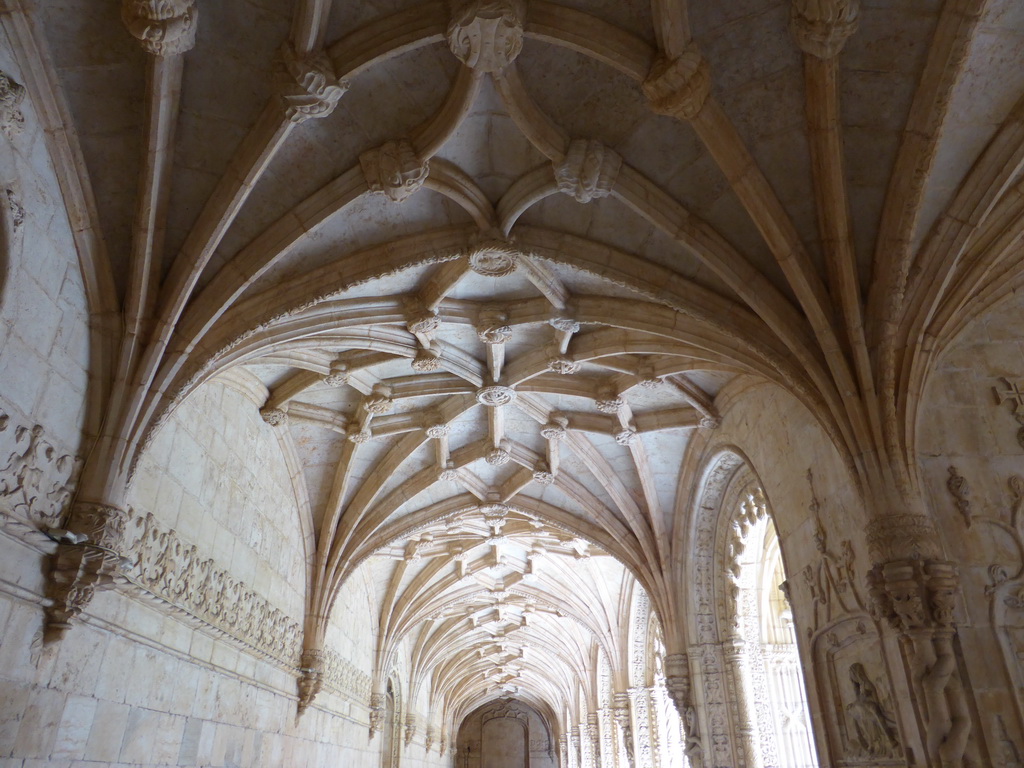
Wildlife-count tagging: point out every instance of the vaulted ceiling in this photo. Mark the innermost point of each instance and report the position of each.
(494, 261)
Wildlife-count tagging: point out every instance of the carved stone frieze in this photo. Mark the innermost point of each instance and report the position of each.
(168, 567)
(394, 169)
(588, 170)
(162, 27)
(12, 94)
(309, 87)
(486, 35)
(822, 27)
(36, 479)
(679, 87)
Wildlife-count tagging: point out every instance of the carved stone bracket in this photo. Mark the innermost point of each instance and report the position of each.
(486, 35)
(588, 171)
(679, 87)
(822, 27)
(394, 169)
(311, 673)
(378, 707)
(92, 564)
(162, 27)
(309, 89)
(915, 594)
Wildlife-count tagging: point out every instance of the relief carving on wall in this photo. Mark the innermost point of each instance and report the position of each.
(166, 566)
(1012, 392)
(12, 93)
(36, 479)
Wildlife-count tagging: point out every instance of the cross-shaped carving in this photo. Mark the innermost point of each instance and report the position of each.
(1014, 392)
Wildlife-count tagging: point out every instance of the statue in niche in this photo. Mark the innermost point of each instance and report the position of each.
(872, 731)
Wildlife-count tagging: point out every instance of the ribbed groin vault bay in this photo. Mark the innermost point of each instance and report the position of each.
(512, 383)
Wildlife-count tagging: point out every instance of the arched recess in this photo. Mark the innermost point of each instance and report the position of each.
(847, 678)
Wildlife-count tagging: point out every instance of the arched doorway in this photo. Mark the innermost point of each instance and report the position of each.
(506, 733)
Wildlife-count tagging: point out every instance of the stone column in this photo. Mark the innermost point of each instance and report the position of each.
(642, 722)
(913, 589)
(625, 728)
(563, 752)
(593, 739)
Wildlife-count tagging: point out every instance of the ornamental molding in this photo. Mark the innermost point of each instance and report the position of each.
(486, 35)
(394, 170)
(162, 27)
(588, 171)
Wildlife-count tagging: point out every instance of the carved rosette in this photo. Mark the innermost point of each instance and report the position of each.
(12, 93)
(275, 417)
(79, 570)
(378, 707)
(494, 260)
(679, 87)
(162, 27)
(309, 87)
(495, 396)
(822, 27)
(394, 169)
(588, 170)
(543, 474)
(710, 422)
(563, 364)
(486, 35)
(556, 429)
(498, 456)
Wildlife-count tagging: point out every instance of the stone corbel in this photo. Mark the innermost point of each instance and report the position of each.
(378, 707)
(87, 560)
(410, 729)
(309, 88)
(162, 27)
(311, 675)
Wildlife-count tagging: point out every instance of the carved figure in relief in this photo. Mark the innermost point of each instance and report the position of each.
(11, 95)
(163, 27)
(872, 732)
(694, 750)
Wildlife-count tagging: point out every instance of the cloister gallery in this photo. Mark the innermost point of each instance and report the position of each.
(512, 383)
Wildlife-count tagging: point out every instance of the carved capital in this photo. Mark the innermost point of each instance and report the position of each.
(394, 169)
(915, 594)
(486, 35)
(679, 87)
(12, 93)
(79, 570)
(162, 27)
(309, 87)
(902, 537)
(588, 171)
(822, 27)
(677, 681)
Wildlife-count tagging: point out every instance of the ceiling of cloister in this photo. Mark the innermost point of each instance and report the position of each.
(491, 293)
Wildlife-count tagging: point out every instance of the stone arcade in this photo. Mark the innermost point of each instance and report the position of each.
(493, 383)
